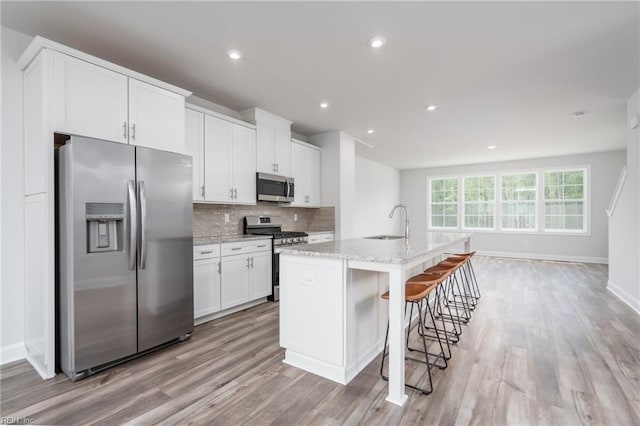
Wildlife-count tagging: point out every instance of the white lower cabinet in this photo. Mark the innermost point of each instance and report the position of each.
(320, 238)
(260, 275)
(206, 280)
(235, 280)
(229, 275)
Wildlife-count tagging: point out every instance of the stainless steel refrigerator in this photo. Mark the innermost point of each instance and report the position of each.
(124, 252)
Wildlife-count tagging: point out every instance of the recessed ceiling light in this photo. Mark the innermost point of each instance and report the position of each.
(377, 42)
(578, 114)
(491, 147)
(432, 107)
(234, 54)
(370, 131)
(324, 105)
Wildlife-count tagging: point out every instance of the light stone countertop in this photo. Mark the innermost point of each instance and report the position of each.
(380, 251)
(320, 232)
(201, 241)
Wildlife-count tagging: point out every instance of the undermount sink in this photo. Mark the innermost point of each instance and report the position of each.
(384, 237)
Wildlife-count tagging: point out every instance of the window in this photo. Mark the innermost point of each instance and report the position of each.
(518, 201)
(478, 202)
(564, 200)
(444, 203)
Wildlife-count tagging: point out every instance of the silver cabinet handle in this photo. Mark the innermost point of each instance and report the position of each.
(202, 191)
(133, 131)
(133, 220)
(236, 248)
(252, 261)
(124, 130)
(262, 245)
(235, 193)
(273, 166)
(219, 267)
(231, 193)
(247, 262)
(277, 167)
(206, 252)
(143, 224)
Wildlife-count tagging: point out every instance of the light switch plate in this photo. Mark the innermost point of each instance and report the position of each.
(295, 217)
(226, 218)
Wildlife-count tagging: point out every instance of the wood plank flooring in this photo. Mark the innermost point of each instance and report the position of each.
(546, 345)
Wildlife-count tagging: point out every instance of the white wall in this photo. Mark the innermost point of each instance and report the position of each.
(12, 274)
(605, 168)
(377, 191)
(624, 249)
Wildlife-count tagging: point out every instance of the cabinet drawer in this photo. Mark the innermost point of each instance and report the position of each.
(206, 252)
(315, 239)
(327, 237)
(241, 247)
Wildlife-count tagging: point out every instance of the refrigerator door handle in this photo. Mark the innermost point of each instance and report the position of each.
(133, 219)
(143, 224)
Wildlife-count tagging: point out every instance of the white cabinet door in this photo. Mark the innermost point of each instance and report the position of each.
(299, 173)
(313, 177)
(206, 287)
(90, 100)
(234, 281)
(218, 136)
(282, 151)
(156, 117)
(260, 281)
(244, 165)
(194, 146)
(265, 141)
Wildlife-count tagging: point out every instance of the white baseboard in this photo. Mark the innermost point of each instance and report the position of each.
(320, 368)
(538, 256)
(12, 353)
(624, 296)
(229, 311)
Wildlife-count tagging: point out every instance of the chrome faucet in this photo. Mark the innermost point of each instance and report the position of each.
(406, 215)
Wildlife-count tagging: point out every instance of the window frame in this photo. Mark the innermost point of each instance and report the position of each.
(536, 218)
(462, 200)
(540, 229)
(429, 203)
(586, 210)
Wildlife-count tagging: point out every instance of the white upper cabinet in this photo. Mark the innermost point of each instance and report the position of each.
(244, 164)
(218, 135)
(90, 100)
(229, 162)
(156, 117)
(97, 102)
(273, 141)
(305, 161)
(282, 149)
(194, 146)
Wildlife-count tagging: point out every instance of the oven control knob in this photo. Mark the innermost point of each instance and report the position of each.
(295, 240)
(286, 240)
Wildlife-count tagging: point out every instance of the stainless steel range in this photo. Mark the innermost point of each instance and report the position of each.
(272, 225)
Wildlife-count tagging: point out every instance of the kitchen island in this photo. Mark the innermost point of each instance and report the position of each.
(332, 319)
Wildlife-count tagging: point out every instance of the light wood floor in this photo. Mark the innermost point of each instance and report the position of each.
(547, 345)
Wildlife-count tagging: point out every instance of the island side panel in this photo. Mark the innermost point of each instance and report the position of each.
(312, 314)
(367, 317)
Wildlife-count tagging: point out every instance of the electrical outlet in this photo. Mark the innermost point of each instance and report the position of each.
(295, 217)
(226, 218)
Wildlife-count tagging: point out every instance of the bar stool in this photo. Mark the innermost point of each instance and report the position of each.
(440, 334)
(465, 280)
(470, 270)
(460, 313)
(416, 291)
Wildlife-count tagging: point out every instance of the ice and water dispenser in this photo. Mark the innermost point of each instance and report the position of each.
(105, 223)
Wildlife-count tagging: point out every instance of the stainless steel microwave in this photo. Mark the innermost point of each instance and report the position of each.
(274, 188)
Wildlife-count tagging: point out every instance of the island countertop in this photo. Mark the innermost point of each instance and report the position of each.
(396, 251)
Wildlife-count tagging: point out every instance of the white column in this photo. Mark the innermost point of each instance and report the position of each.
(396, 336)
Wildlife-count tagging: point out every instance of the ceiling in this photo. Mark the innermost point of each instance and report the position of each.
(508, 74)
